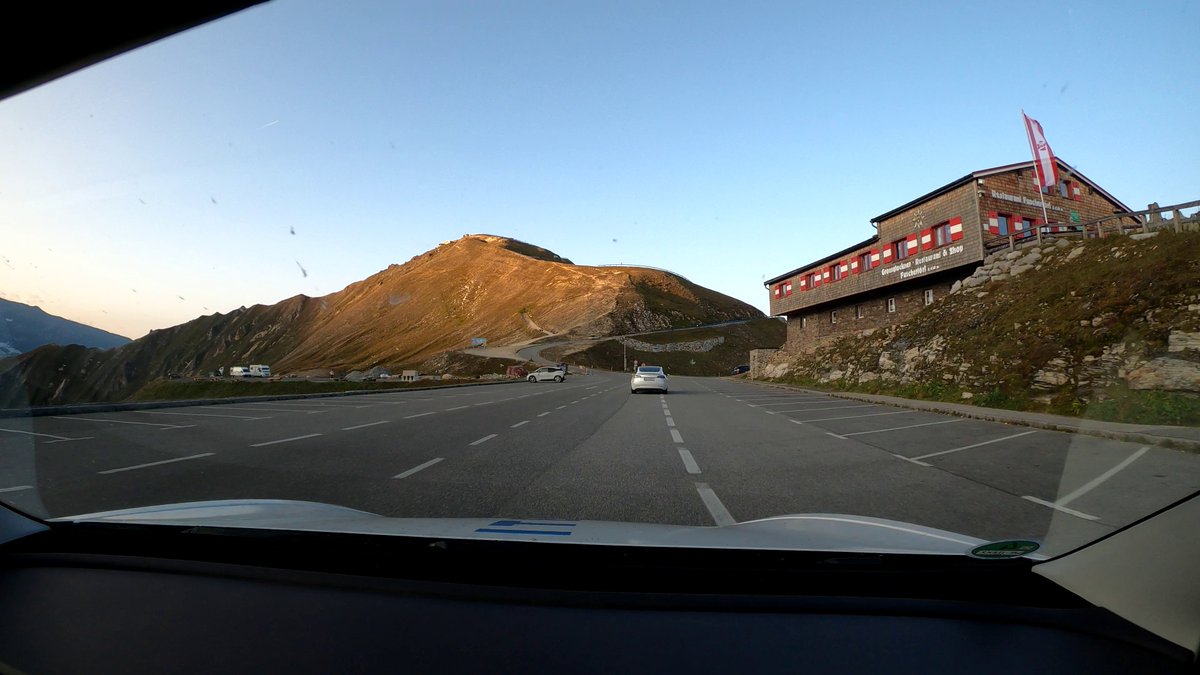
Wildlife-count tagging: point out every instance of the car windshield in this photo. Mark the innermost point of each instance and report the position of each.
(955, 247)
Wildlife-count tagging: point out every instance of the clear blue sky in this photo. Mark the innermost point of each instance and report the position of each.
(728, 142)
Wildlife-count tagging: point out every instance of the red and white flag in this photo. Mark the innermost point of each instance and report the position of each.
(1043, 156)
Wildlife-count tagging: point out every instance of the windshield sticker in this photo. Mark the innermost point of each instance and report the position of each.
(1012, 548)
(511, 527)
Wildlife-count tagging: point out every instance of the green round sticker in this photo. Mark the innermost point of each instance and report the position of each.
(1011, 548)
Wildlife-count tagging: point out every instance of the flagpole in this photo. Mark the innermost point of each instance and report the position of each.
(1037, 174)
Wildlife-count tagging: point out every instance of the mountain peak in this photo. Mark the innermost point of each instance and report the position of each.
(515, 245)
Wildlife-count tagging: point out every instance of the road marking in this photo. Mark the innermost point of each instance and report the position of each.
(855, 417)
(409, 417)
(914, 461)
(295, 410)
(823, 409)
(236, 417)
(105, 419)
(670, 421)
(485, 439)
(519, 424)
(16, 488)
(769, 412)
(284, 440)
(560, 407)
(544, 414)
(667, 412)
(458, 408)
(1090, 485)
(30, 433)
(718, 511)
(419, 467)
(910, 426)
(592, 387)
(177, 426)
(675, 436)
(795, 421)
(1059, 507)
(165, 461)
(363, 426)
(486, 403)
(976, 445)
(830, 433)
(689, 462)
(793, 402)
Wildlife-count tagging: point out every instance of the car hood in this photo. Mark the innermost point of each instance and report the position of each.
(799, 532)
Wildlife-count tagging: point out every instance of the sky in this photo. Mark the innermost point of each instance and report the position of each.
(297, 147)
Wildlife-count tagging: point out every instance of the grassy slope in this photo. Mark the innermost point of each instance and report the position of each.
(1136, 291)
(739, 340)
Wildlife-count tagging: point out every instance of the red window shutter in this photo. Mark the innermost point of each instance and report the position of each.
(854, 265)
(993, 226)
(1075, 190)
(911, 242)
(926, 239)
(956, 229)
(887, 254)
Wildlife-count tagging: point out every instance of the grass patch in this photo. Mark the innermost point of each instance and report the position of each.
(1146, 407)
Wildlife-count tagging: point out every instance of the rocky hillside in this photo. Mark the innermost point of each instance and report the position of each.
(25, 327)
(477, 286)
(1107, 328)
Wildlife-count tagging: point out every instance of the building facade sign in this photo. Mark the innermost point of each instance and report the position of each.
(996, 194)
(924, 264)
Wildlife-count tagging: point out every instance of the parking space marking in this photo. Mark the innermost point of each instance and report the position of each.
(363, 426)
(302, 411)
(31, 433)
(419, 467)
(675, 436)
(716, 509)
(236, 417)
(544, 414)
(485, 439)
(16, 488)
(975, 445)
(105, 419)
(283, 440)
(1092, 484)
(857, 417)
(689, 462)
(149, 464)
(409, 417)
(1059, 507)
(830, 433)
(823, 409)
(794, 402)
(914, 461)
(907, 426)
(458, 408)
(514, 426)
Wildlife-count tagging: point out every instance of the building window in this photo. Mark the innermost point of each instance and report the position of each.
(837, 272)
(864, 262)
(941, 234)
(858, 311)
(1063, 190)
(891, 305)
(1002, 222)
(812, 280)
(833, 316)
(929, 297)
(900, 248)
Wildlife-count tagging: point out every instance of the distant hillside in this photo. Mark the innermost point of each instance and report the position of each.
(1108, 329)
(25, 327)
(477, 286)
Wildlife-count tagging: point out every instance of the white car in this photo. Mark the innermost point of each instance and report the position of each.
(547, 373)
(648, 377)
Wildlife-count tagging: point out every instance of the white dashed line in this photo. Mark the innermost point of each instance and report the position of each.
(718, 511)
(910, 426)
(689, 462)
(519, 424)
(666, 412)
(165, 461)
(975, 445)
(485, 439)
(675, 436)
(363, 426)
(283, 440)
(16, 488)
(670, 421)
(458, 408)
(560, 407)
(409, 417)
(544, 414)
(418, 467)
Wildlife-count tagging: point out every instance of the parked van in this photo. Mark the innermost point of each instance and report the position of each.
(260, 371)
(239, 371)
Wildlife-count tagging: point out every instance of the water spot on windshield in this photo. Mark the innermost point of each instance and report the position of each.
(302, 270)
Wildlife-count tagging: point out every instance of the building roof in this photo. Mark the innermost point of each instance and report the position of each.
(983, 173)
(833, 256)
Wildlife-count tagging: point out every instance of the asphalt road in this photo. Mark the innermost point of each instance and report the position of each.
(713, 451)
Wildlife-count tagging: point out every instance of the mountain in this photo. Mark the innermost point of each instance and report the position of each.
(479, 286)
(25, 327)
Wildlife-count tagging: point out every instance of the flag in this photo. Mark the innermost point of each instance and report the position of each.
(1043, 157)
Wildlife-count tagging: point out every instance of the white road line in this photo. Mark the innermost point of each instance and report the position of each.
(514, 426)
(105, 419)
(793, 402)
(667, 412)
(165, 461)
(363, 426)
(485, 439)
(718, 511)
(824, 408)
(419, 467)
(236, 417)
(914, 461)
(795, 421)
(689, 462)
(769, 412)
(458, 408)
(976, 445)
(409, 417)
(177, 426)
(1059, 507)
(30, 433)
(1091, 485)
(855, 417)
(295, 410)
(909, 426)
(283, 440)
(485, 403)
(830, 433)
(544, 414)
(592, 387)
(560, 407)
(670, 421)
(16, 488)
(675, 436)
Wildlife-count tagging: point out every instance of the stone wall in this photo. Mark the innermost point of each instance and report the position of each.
(862, 314)
(705, 345)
